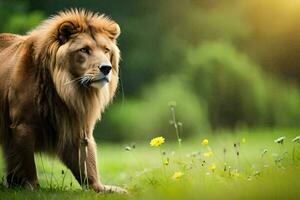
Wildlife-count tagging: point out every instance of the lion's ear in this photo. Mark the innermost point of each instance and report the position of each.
(65, 31)
(113, 30)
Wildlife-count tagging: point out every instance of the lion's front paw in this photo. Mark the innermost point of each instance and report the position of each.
(33, 186)
(114, 189)
(109, 189)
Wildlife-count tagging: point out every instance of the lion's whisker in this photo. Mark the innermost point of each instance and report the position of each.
(73, 80)
(86, 80)
(79, 79)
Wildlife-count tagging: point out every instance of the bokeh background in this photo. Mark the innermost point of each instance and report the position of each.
(228, 64)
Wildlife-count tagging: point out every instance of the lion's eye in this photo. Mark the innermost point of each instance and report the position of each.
(106, 50)
(85, 50)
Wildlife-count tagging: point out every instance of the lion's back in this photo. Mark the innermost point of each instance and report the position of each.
(8, 45)
(7, 40)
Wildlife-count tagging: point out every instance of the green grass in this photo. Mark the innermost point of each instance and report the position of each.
(247, 176)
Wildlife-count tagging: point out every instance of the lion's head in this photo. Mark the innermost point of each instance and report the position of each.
(79, 50)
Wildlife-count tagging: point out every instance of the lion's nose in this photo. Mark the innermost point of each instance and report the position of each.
(105, 69)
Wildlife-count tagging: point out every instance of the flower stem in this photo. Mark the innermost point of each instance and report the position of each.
(176, 126)
(162, 161)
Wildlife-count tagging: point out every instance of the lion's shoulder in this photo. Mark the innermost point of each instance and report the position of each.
(10, 51)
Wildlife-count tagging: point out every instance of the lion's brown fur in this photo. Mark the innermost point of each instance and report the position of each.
(39, 111)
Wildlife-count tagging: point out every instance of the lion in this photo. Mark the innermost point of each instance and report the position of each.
(55, 82)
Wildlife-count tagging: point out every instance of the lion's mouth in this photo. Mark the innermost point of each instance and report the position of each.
(89, 80)
(102, 79)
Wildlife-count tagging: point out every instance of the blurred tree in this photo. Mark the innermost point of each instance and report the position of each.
(237, 91)
(16, 18)
(274, 40)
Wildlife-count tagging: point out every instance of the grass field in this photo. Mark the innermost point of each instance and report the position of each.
(233, 165)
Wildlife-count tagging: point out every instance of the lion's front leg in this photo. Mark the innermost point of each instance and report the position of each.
(88, 156)
(91, 165)
(74, 157)
(81, 160)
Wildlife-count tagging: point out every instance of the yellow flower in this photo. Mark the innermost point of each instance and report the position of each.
(244, 140)
(156, 142)
(205, 142)
(177, 175)
(208, 154)
(212, 167)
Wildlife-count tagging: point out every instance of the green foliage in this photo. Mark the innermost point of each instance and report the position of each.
(16, 18)
(150, 115)
(21, 23)
(284, 104)
(237, 91)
